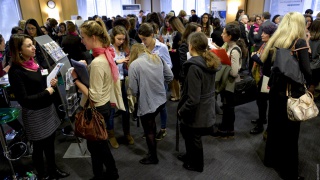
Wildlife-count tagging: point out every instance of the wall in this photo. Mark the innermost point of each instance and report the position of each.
(232, 11)
(255, 7)
(38, 10)
(145, 5)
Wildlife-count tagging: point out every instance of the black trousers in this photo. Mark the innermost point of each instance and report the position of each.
(193, 143)
(100, 151)
(45, 146)
(281, 150)
(228, 118)
(150, 129)
(262, 103)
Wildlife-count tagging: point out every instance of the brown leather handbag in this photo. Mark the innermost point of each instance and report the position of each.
(90, 124)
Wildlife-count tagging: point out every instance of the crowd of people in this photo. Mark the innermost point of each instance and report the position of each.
(159, 53)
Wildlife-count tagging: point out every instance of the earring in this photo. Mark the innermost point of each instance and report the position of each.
(20, 54)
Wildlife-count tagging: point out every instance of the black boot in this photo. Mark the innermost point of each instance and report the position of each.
(257, 130)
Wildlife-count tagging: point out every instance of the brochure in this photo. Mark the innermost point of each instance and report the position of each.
(54, 73)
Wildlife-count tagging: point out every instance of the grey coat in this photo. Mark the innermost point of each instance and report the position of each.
(197, 105)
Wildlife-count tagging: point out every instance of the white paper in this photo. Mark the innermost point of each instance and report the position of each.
(53, 73)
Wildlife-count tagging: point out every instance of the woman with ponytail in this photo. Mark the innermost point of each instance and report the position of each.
(196, 108)
(103, 75)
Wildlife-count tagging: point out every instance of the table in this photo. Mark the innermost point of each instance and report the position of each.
(7, 115)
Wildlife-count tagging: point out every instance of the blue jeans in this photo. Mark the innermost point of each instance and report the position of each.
(125, 114)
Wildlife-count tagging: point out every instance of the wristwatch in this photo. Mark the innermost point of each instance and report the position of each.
(74, 80)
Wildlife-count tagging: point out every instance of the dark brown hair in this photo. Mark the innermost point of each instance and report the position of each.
(15, 44)
(146, 30)
(191, 27)
(199, 43)
(315, 30)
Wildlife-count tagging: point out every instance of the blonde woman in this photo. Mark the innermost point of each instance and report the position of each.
(147, 74)
(103, 74)
(281, 151)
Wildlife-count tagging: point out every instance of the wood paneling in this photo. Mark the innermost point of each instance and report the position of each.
(255, 7)
(39, 10)
(31, 9)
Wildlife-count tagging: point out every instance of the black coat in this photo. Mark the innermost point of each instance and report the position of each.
(197, 105)
(72, 46)
(216, 36)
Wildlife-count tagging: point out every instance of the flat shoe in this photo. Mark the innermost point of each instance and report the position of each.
(182, 157)
(149, 161)
(191, 168)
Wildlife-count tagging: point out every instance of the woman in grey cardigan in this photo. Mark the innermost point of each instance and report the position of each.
(197, 106)
(147, 74)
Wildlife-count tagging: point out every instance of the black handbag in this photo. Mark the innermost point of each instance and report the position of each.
(286, 62)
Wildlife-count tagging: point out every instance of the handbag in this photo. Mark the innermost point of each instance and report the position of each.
(90, 124)
(302, 108)
(286, 62)
(264, 87)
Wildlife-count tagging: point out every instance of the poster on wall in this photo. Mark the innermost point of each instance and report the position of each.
(219, 10)
(131, 9)
(290, 6)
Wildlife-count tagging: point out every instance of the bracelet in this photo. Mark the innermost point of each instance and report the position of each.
(74, 80)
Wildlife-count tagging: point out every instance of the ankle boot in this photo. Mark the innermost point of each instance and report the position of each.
(130, 139)
(112, 139)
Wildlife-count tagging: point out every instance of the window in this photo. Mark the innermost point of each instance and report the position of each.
(10, 15)
(177, 5)
(89, 8)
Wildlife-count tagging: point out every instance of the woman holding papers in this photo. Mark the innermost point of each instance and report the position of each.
(259, 70)
(39, 116)
(235, 48)
(103, 74)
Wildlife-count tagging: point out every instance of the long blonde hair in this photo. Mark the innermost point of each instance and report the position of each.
(292, 27)
(138, 49)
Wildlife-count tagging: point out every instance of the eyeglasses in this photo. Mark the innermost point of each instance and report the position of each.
(31, 28)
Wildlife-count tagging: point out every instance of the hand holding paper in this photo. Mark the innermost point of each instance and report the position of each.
(53, 73)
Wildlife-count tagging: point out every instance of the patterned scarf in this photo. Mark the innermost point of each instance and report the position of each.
(109, 53)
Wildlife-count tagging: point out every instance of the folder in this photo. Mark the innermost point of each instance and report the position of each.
(222, 54)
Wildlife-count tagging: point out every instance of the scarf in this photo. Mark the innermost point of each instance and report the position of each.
(73, 33)
(30, 64)
(109, 53)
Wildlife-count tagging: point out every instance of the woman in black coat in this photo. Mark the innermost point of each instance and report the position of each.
(281, 152)
(196, 109)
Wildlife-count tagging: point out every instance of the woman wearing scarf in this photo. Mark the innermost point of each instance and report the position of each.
(103, 75)
(39, 116)
(259, 70)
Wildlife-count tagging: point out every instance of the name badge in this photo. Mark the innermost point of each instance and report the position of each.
(44, 72)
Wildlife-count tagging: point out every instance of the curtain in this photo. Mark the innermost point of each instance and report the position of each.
(10, 15)
(166, 6)
(82, 9)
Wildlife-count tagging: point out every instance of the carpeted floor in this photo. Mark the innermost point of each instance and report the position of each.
(236, 159)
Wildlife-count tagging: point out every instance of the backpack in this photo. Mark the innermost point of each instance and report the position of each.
(286, 62)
